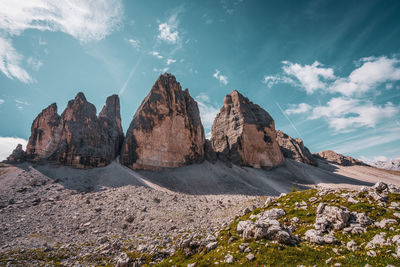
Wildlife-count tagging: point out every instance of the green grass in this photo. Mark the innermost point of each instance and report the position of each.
(273, 254)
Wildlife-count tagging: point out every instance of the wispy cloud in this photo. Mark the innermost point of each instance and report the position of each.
(298, 109)
(367, 143)
(208, 112)
(1, 101)
(222, 78)
(34, 63)
(170, 61)
(347, 113)
(156, 54)
(84, 20)
(134, 43)
(168, 31)
(20, 104)
(10, 62)
(161, 70)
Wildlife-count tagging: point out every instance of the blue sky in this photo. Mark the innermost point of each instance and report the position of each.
(327, 71)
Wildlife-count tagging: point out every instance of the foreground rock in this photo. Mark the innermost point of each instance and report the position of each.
(78, 137)
(17, 156)
(243, 133)
(166, 130)
(337, 158)
(294, 149)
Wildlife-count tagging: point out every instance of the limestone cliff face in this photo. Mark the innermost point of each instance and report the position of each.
(78, 137)
(244, 134)
(45, 134)
(294, 149)
(166, 130)
(337, 158)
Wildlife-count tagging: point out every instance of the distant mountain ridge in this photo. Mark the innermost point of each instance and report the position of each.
(393, 165)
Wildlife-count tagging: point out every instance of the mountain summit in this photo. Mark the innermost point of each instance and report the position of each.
(166, 130)
(244, 133)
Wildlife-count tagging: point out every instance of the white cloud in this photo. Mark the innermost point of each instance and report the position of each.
(168, 33)
(370, 73)
(20, 104)
(347, 113)
(298, 109)
(10, 61)
(222, 78)
(156, 54)
(1, 101)
(34, 63)
(8, 144)
(84, 20)
(134, 43)
(311, 77)
(373, 72)
(208, 111)
(161, 70)
(170, 61)
(366, 143)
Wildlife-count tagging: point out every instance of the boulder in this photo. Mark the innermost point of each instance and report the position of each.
(243, 133)
(166, 130)
(17, 156)
(294, 149)
(78, 137)
(331, 217)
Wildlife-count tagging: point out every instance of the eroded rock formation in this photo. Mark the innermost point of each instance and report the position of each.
(17, 156)
(337, 158)
(294, 148)
(244, 134)
(166, 130)
(78, 137)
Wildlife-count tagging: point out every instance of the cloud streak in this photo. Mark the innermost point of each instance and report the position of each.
(84, 20)
(222, 78)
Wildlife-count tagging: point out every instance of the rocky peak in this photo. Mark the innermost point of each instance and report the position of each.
(244, 133)
(294, 149)
(45, 134)
(17, 156)
(77, 137)
(337, 158)
(79, 109)
(166, 130)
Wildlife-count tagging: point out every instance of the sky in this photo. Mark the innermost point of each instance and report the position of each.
(326, 71)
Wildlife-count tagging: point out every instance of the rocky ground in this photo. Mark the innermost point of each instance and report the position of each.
(46, 221)
(57, 215)
(319, 227)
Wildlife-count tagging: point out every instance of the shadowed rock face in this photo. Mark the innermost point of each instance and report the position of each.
(337, 158)
(166, 130)
(78, 137)
(243, 133)
(17, 156)
(294, 149)
(45, 134)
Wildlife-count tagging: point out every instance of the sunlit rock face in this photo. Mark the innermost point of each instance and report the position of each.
(294, 148)
(166, 130)
(243, 133)
(78, 137)
(337, 158)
